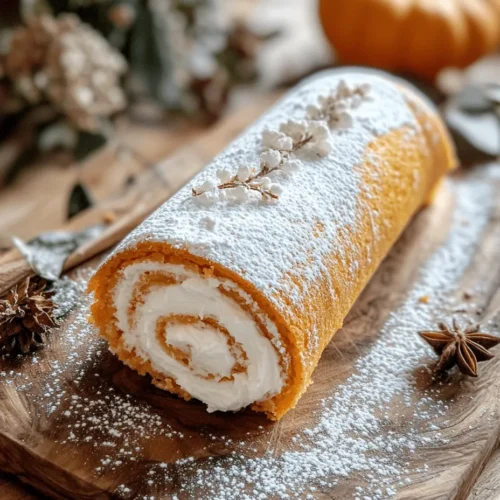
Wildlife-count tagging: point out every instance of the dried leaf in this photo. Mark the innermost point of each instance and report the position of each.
(88, 143)
(79, 200)
(47, 253)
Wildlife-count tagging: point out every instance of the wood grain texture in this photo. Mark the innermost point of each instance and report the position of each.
(487, 486)
(34, 442)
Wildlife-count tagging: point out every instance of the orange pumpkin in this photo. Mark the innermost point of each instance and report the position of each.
(417, 36)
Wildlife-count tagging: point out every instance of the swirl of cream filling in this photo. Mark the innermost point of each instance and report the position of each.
(192, 330)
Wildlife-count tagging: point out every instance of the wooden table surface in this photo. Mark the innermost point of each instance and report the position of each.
(37, 200)
(104, 174)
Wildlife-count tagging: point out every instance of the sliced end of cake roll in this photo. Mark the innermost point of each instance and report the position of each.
(198, 329)
(230, 292)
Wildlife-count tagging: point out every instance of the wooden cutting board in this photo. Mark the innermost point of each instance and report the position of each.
(76, 423)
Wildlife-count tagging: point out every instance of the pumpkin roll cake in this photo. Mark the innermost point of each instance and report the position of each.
(231, 290)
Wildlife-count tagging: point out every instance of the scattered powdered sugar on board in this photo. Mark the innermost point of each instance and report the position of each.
(352, 432)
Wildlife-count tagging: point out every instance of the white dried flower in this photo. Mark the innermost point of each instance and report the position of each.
(322, 148)
(284, 143)
(323, 100)
(319, 130)
(271, 138)
(340, 106)
(240, 193)
(313, 112)
(265, 182)
(343, 121)
(275, 189)
(207, 199)
(356, 101)
(364, 89)
(294, 129)
(224, 175)
(343, 89)
(207, 186)
(243, 172)
(270, 158)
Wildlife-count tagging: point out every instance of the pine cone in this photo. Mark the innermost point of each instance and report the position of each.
(69, 64)
(26, 315)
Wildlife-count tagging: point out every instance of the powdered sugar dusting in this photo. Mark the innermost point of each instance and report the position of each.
(352, 437)
(247, 233)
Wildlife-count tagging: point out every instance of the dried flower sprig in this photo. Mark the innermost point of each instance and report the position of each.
(334, 109)
(312, 134)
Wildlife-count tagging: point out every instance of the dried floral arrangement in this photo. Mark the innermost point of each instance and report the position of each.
(68, 67)
(278, 159)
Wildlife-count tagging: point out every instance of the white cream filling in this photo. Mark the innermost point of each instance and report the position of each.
(209, 351)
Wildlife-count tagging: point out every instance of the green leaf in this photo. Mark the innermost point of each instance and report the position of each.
(79, 200)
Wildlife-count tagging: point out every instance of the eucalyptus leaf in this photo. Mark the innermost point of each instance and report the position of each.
(481, 131)
(47, 253)
(472, 99)
(474, 121)
(79, 200)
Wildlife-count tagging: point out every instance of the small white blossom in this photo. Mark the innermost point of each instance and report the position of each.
(243, 172)
(313, 112)
(343, 89)
(365, 89)
(341, 106)
(240, 193)
(319, 130)
(207, 186)
(275, 189)
(323, 100)
(271, 138)
(265, 182)
(284, 143)
(224, 175)
(207, 199)
(271, 158)
(322, 148)
(344, 121)
(294, 129)
(356, 101)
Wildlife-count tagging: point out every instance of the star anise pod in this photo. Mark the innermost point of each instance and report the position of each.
(26, 315)
(464, 348)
